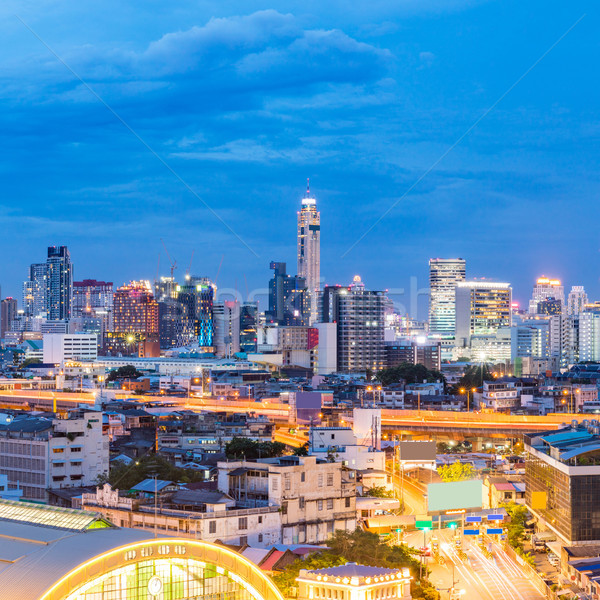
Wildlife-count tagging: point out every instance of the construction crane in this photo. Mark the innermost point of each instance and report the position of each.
(173, 262)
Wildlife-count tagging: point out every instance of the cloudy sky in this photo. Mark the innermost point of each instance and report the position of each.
(198, 122)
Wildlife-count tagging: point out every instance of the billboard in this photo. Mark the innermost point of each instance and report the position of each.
(417, 451)
(454, 495)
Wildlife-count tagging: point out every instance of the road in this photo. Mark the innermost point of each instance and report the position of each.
(496, 578)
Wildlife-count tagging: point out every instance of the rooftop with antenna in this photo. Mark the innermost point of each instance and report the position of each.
(308, 200)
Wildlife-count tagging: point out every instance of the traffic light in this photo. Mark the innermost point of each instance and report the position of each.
(452, 525)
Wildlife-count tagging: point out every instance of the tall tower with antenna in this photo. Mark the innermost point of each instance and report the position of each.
(309, 248)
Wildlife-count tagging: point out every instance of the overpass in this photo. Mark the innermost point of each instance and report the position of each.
(393, 421)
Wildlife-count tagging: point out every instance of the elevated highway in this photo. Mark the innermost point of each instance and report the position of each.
(393, 421)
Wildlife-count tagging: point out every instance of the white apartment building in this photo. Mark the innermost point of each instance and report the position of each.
(499, 395)
(62, 347)
(37, 453)
(315, 498)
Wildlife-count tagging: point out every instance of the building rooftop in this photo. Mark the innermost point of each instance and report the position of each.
(66, 519)
(355, 574)
(577, 445)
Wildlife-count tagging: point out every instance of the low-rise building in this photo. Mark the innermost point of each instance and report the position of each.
(38, 453)
(206, 515)
(315, 497)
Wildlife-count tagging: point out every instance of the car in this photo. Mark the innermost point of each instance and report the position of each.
(425, 551)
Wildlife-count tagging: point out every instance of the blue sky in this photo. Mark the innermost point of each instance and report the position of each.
(245, 100)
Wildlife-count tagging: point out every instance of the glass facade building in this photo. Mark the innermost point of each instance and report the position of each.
(562, 478)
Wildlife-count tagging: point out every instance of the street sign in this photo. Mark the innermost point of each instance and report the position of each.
(494, 531)
(423, 524)
(471, 532)
(473, 519)
(495, 517)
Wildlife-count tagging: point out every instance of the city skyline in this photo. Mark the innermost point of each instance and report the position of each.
(361, 103)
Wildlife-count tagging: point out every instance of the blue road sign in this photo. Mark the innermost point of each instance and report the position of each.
(495, 517)
(473, 519)
(471, 532)
(494, 531)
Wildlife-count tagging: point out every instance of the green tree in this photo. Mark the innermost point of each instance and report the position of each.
(474, 377)
(364, 548)
(124, 477)
(124, 372)
(516, 525)
(409, 373)
(457, 471)
(302, 451)
(30, 361)
(379, 491)
(239, 448)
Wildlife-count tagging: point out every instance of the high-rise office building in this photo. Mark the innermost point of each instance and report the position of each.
(135, 321)
(288, 298)
(577, 300)
(198, 294)
(135, 309)
(59, 283)
(165, 288)
(34, 291)
(226, 317)
(309, 249)
(444, 274)
(248, 326)
(359, 314)
(482, 307)
(544, 289)
(8, 313)
(175, 327)
(93, 302)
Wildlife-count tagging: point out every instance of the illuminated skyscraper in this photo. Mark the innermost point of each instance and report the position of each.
(198, 294)
(59, 283)
(444, 274)
(482, 307)
(577, 300)
(34, 291)
(309, 249)
(544, 289)
(135, 309)
(359, 315)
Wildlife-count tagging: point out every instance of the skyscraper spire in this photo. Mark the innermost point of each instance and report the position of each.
(309, 248)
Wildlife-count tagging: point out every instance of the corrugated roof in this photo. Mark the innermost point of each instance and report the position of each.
(151, 485)
(579, 450)
(67, 519)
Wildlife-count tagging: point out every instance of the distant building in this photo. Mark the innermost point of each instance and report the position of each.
(8, 313)
(34, 291)
(482, 307)
(309, 250)
(577, 300)
(543, 289)
(93, 300)
(426, 353)
(289, 302)
(198, 295)
(62, 347)
(135, 321)
(444, 274)
(226, 319)
(359, 316)
(175, 327)
(59, 283)
(248, 326)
